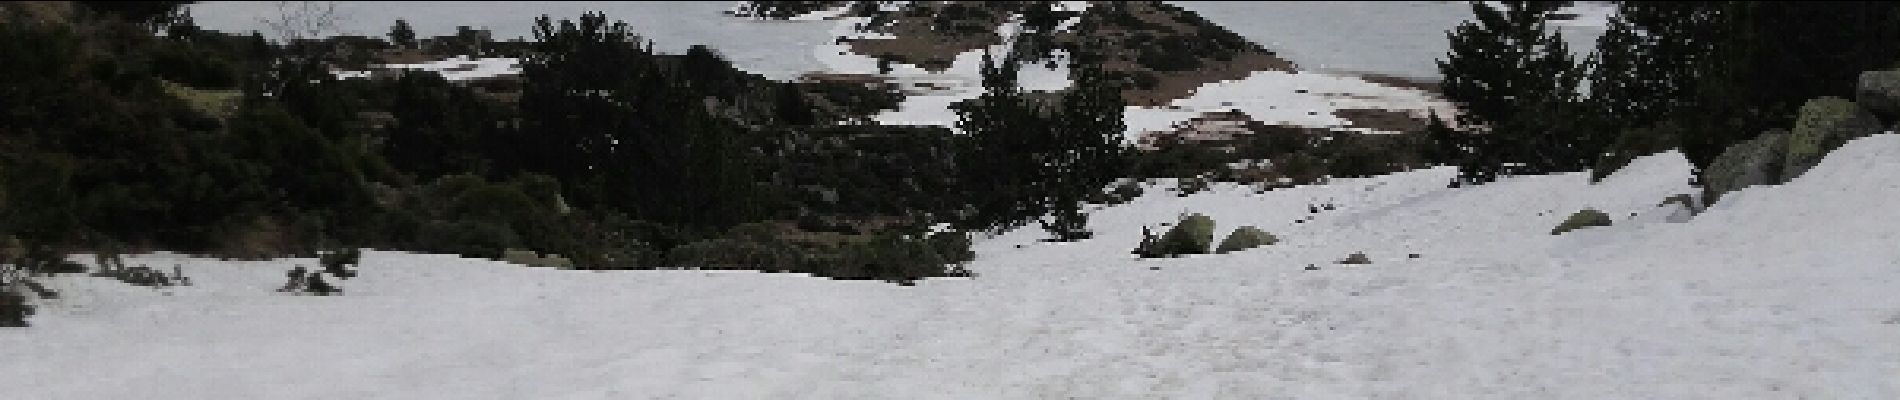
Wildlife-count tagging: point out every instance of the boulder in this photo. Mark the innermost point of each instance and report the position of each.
(1682, 208)
(1824, 125)
(1194, 234)
(1879, 92)
(1582, 219)
(1245, 237)
(1757, 161)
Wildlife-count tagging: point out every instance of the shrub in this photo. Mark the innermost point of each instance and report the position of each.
(952, 247)
(468, 238)
(728, 253)
(336, 262)
(14, 309)
(889, 257)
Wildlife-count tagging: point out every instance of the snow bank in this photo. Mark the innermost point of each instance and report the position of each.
(1778, 292)
(458, 68)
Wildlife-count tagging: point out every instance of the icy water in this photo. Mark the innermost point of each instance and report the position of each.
(1394, 38)
(779, 50)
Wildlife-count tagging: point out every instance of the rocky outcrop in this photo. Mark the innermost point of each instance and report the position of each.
(1825, 124)
(1879, 92)
(1753, 162)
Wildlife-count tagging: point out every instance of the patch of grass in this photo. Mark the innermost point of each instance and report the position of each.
(217, 103)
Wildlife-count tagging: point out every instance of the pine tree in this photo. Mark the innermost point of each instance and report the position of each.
(1030, 161)
(997, 163)
(1726, 71)
(1517, 84)
(402, 35)
(1089, 148)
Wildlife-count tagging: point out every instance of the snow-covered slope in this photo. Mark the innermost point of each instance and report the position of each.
(1778, 292)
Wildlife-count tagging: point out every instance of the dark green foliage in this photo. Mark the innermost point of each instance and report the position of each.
(885, 255)
(953, 247)
(469, 238)
(890, 257)
(624, 133)
(440, 129)
(613, 156)
(402, 35)
(1040, 159)
(736, 254)
(1725, 71)
(1517, 86)
(337, 262)
(792, 107)
(14, 309)
(135, 11)
(868, 170)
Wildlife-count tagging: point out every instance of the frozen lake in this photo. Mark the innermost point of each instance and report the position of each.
(1393, 38)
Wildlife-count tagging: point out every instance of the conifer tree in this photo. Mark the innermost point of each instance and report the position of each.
(402, 35)
(1517, 85)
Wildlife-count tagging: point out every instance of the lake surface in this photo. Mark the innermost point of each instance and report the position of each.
(1393, 38)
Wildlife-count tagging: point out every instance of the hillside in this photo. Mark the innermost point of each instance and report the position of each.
(1723, 306)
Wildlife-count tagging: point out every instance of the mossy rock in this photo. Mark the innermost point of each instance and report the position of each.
(1757, 161)
(1582, 219)
(1825, 124)
(1194, 234)
(1245, 237)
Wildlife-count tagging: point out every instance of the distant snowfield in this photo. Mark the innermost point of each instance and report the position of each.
(458, 68)
(1778, 292)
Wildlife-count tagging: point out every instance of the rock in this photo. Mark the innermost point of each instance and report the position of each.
(1246, 237)
(1879, 92)
(1582, 219)
(1757, 161)
(1193, 235)
(1356, 259)
(1684, 208)
(1824, 125)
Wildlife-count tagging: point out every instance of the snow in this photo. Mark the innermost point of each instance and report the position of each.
(1305, 99)
(458, 68)
(1777, 292)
